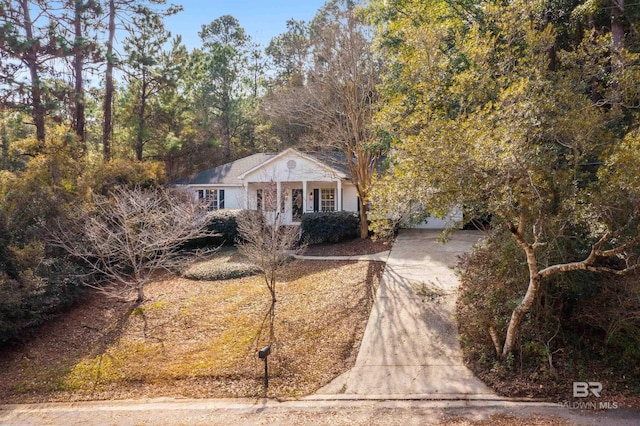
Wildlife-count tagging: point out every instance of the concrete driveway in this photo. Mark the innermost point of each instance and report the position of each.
(410, 347)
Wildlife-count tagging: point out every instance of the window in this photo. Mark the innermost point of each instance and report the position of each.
(327, 200)
(213, 198)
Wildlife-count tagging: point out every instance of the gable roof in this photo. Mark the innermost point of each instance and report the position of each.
(320, 159)
(227, 173)
(232, 173)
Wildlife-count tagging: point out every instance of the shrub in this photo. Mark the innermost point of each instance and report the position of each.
(224, 223)
(121, 172)
(36, 295)
(581, 322)
(225, 265)
(216, 270)
(332, 227)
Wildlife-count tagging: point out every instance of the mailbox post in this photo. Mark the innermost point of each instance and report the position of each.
(263, 354)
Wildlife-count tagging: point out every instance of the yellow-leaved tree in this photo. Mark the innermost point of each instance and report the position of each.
(511, 110)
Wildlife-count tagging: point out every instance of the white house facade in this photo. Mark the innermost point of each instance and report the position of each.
(302, 182)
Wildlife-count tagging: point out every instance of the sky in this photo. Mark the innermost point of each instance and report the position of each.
(261, 19)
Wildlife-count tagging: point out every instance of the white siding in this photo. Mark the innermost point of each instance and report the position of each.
(234, 198)
(454, 218)
(279, 170)
(349, 198)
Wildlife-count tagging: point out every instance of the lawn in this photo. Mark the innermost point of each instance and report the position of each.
(199, 339)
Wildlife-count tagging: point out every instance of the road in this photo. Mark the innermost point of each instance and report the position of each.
(307, 412)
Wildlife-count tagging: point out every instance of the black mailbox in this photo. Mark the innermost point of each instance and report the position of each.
(264, 352)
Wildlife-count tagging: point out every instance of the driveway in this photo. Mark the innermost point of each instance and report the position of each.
(410, 347)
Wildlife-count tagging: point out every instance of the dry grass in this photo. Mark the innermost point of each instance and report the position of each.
(199, 339)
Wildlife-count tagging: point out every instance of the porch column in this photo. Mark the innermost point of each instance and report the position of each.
(245, 186)
(304, 196)
(278, 196)
(339, 196)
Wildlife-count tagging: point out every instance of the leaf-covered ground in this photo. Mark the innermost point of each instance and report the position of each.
(199, 339)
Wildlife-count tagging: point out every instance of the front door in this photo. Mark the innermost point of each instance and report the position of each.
(296, 205)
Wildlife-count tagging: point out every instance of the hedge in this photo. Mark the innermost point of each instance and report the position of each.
(224, 223)
(331, 227)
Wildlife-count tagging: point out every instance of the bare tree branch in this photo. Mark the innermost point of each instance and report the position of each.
(130, 234)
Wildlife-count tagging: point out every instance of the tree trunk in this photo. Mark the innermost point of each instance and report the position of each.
(140, 298)
(617, 24)
(226, 130)
(30, 57)
(519, 312)
(226, 143)
(141, 119)
(530, 295)
(364, 225)
(360, 167)
(108, 88)
(78, 61)
(617, 34)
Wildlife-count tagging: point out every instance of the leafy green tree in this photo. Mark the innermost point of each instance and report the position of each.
(289, 51)
(26, 41)
(489, 109)
(121, 12)
(146, 74)
(79, 22)
(224, 56)
(290, 58)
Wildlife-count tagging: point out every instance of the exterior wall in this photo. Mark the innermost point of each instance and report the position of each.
(453, 218)
(234, 198)
(349, 197)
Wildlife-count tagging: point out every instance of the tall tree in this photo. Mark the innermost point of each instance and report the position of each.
(107, 114)
(224, 46)
(121, 11)
(481, 119)
(339, 97)
(79, 22)
(30, 45)
(289, 51)
(146, 75)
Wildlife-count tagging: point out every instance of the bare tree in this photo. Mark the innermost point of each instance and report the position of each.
(128, 235)
(265, 239)
(339, 96)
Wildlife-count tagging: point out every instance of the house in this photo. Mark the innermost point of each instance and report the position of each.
(303, 182)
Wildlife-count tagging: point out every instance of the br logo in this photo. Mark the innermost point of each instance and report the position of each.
(582, 389)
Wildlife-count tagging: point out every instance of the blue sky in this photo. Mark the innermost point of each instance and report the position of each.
(261, 19)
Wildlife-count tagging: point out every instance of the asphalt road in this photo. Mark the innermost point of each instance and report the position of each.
(307, 412)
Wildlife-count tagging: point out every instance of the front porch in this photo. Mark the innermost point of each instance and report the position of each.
(293, 199)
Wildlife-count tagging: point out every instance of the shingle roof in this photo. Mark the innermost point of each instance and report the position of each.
(335, 160)
(226, 173)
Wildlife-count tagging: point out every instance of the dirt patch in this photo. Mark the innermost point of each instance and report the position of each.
(349, 248)
(199, 339)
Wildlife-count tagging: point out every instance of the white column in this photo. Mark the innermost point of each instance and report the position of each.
(339, 196)
(278, 196)
(304, 196)
(245, 185)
